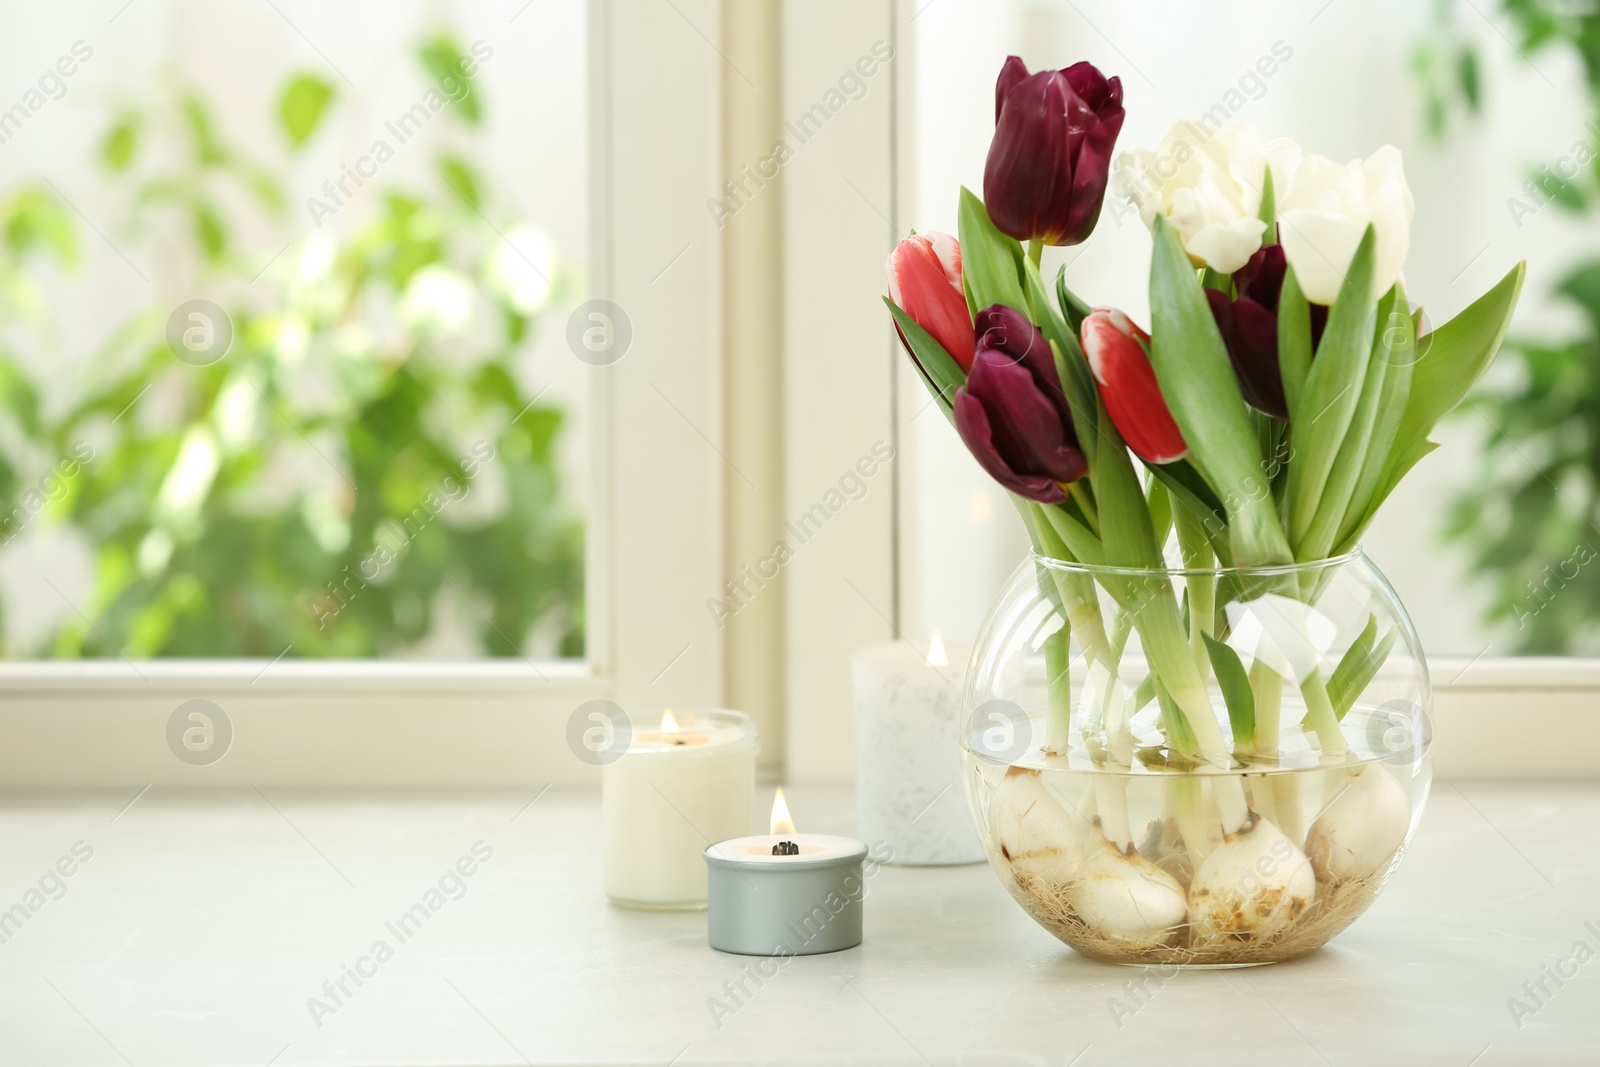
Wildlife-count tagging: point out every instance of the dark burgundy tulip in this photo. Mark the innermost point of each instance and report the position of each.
(1249, 327)
(1051, 153)
(1012, 413)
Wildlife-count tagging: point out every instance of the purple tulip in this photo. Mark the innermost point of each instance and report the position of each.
(1053, 135)
(1249, 327)
(1012, 413)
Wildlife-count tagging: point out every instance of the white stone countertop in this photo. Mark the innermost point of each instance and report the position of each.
(201, 924)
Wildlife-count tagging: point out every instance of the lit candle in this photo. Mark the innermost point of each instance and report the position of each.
(686, 783)
(786, 893)
(908, 755)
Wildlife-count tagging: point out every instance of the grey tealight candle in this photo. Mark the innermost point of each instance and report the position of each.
(785, 893)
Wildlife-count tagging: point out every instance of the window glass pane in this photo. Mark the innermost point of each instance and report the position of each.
(1272, 67)
(284, 366)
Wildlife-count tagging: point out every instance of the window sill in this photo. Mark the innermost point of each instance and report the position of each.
(200, 929)
(68, 677)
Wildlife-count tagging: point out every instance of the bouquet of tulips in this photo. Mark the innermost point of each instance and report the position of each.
(1285, 386)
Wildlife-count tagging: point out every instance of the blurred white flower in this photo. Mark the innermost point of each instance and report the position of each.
(316, 256)
(185, 487)
(1327, 208)
(293, 336)
(1208, 185)
(437, 300)
(235, 412)
(520, 268)
(155, 549)
(354, 340)
(322, 516)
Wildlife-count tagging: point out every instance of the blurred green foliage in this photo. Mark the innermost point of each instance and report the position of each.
(1528, 519)
(367, 453)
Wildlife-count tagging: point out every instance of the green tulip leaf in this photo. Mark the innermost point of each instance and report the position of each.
(1144, 694)
(1187, 488)
(1268, 212)
(1395, 345)
(1181, 743)
(1067, 536)
(1236, 691)
(1351, 462)
(1073, 306)
(1332, 391)
(1358, 666)
(1450, 360)
(1126, 528)
(1159, 501)
(1294, 341)
(1196, 378)
(1077, 383)
(991, 262)
(937, 368)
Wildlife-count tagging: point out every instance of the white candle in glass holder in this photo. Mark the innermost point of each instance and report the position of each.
(682, 784)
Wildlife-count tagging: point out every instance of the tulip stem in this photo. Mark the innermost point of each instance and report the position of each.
(1323, 718)
(1201, 585)
(1058, 685)
(1035, 252)
(1172, 663)
(1084, 501)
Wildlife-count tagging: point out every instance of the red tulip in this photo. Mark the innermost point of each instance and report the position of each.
(1053, 135)
(925, 281)
(1114, 347)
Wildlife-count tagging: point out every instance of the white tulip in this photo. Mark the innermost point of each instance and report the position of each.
(1208, 185)
(1125, 898)
(1326, 208)
(1251, 887)
(1360, 831)
(1034, 832)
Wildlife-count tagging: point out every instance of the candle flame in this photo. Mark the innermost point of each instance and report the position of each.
(936, 653)
(782, 824)
(669, 725)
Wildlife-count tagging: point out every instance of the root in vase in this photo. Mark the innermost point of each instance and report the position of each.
(1333, 909)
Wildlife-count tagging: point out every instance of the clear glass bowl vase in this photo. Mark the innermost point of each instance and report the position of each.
(1196, 767)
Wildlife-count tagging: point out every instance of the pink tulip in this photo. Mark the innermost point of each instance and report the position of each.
(1128, 386)
(925, 281)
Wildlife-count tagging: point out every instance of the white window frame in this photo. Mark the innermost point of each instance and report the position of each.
(655, 551)
(654, 529)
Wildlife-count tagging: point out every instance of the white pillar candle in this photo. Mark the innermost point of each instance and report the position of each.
(685, 782)
(908, 757)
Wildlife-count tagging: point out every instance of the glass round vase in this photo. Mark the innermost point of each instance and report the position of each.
(1196, 767)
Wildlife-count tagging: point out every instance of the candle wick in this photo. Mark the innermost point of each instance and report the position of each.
(786, 848)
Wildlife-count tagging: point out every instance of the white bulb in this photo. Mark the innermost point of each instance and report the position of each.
(1125, 898)
(1034, 833)
(1250, 887)
(1361, 829)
